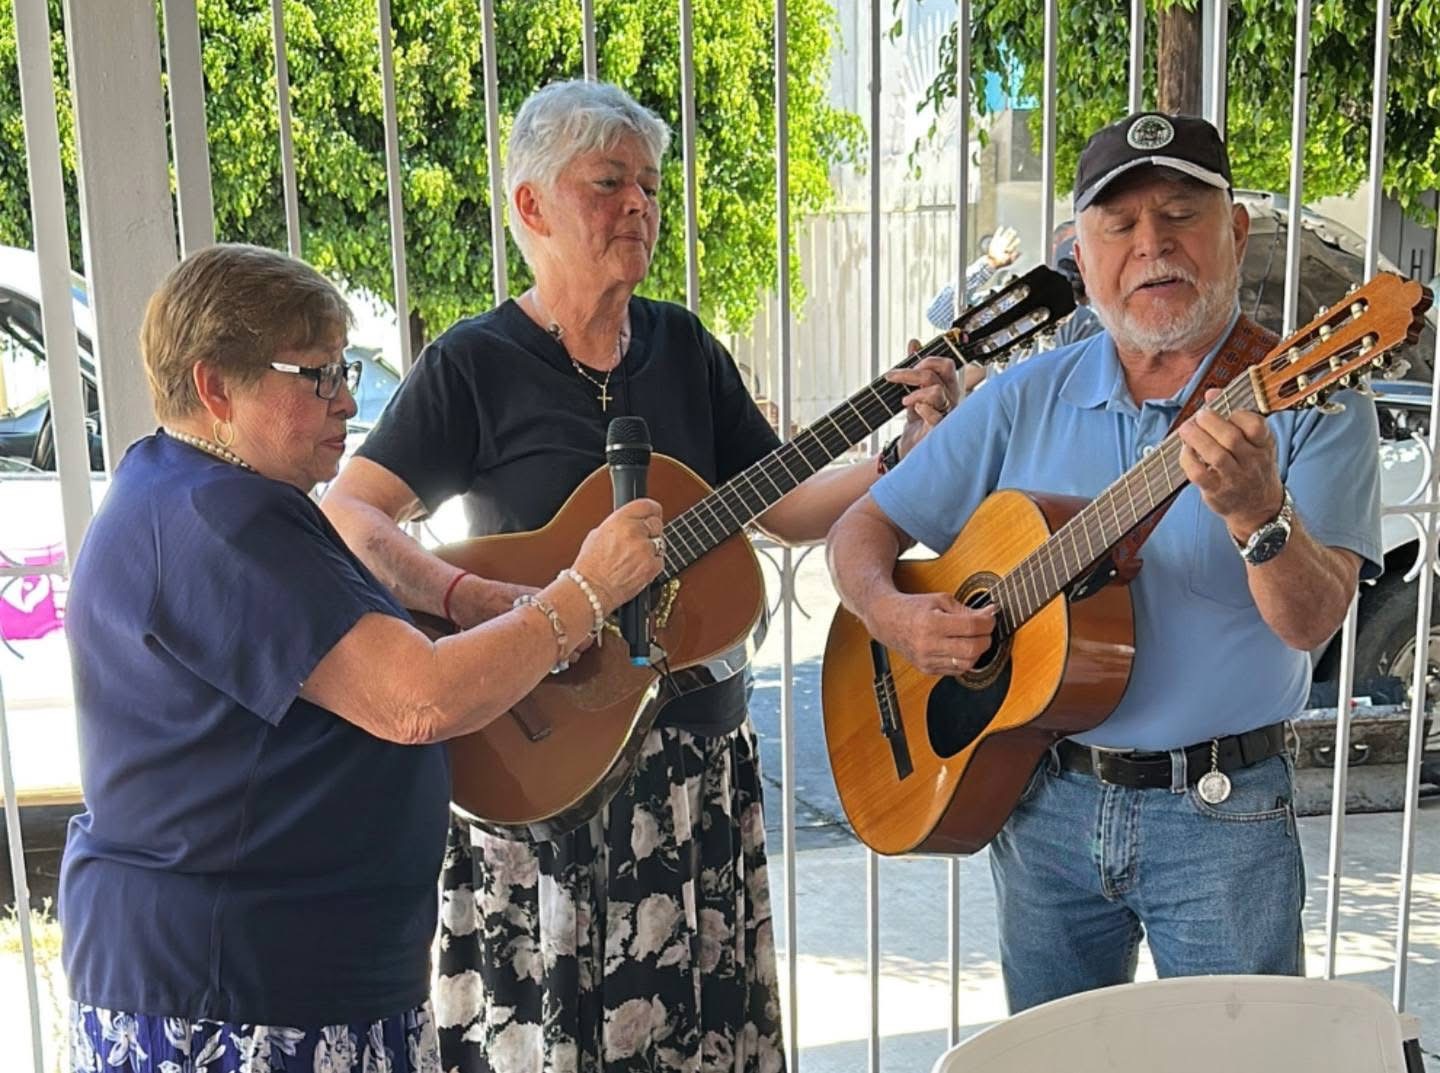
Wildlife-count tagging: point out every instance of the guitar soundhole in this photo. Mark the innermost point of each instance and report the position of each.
(961, 707)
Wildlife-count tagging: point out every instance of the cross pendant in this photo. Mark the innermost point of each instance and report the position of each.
(604, 397)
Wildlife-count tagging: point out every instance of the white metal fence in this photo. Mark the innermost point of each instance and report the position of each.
(129, 215)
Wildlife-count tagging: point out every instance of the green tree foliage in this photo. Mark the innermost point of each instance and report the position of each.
(1093, 71)
(333, 56)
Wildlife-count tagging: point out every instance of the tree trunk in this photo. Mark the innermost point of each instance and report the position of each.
(1179, 88)
(417, 334)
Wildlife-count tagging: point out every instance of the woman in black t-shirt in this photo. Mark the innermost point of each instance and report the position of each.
(643, 940)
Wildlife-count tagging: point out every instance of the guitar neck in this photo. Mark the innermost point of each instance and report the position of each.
(1077, 547)
(749, 494)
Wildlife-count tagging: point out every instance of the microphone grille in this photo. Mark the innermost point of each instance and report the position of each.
(627, 442)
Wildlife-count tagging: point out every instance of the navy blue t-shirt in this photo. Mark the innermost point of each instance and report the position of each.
(245, 855)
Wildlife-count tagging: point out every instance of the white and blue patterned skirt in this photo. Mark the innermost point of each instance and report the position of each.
(106, 1041)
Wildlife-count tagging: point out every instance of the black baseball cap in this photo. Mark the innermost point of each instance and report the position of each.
(1187, 144)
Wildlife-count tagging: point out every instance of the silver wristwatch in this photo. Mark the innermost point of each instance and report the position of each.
(1269, 540)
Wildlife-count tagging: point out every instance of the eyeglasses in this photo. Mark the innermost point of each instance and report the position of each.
(327, 377)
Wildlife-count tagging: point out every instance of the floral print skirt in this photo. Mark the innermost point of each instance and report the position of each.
(104, 1041)
(641, 941)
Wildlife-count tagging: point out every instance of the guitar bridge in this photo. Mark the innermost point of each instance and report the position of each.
(668, 594)
(888, 702)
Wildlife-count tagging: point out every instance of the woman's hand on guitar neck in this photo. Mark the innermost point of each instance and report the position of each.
(937, 391)
(935, 632)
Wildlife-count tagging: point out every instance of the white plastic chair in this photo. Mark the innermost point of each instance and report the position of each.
(1198, 1024)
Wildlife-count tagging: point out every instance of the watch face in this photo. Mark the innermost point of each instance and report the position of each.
(1269, 545)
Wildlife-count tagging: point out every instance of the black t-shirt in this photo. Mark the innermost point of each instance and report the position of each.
(494, 411)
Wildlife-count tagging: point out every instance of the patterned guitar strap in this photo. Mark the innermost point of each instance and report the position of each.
(1246, 345)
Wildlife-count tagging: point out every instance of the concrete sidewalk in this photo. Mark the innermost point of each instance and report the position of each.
(830, 927)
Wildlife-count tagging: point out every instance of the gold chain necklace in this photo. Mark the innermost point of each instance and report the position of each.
(558, 333)
(214, 449)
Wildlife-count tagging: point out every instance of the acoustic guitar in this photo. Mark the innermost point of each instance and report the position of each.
(559, 756)
(937, 764)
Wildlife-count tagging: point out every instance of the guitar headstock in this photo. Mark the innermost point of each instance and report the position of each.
(1009, 317)
(1341, 344)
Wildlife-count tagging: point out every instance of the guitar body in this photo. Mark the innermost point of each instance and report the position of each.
(556, 758)
(966, 745)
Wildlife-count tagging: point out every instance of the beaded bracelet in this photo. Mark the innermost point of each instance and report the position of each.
(597, 626)
(562, 642)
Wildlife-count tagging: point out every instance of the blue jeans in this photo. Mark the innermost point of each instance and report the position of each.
(1083, 870)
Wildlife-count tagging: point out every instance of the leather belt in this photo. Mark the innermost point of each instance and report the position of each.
(1152, 771)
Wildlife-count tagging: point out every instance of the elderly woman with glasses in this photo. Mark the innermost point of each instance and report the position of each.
(643, 940)
(252, 884)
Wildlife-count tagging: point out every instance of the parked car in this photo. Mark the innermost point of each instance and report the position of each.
(1385, 638)
(25, 428)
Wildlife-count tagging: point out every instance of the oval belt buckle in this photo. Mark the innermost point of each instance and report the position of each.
(1214, 785)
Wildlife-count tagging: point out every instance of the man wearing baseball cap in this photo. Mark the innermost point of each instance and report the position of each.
(1172, 820)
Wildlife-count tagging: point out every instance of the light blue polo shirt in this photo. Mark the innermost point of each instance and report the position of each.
(1206, 664)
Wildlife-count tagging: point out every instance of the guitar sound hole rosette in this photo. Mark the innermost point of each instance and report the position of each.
(975, 593)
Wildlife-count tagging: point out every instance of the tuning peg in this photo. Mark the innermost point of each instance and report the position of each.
(1394, 369)
(1357, 310)
(1331, 408)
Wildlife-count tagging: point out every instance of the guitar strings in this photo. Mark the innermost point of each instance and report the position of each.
(692, 534)
(1026, 589)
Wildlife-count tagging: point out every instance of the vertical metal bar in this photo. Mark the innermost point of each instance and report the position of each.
(787, 388)
(1377, 134)
(52, 250)
(21, 888)
(962, 149)
(687, 148)
(872, 872)
(395, 186)
(1218, 57)
(1418, 683)
(587, 19)
(874, 210)
(1137, 55)
(187, 126)
(872, 954)
(1339, 789)
(1047, 157)
(287, 144)
(499, 269)
(1298, 119)
(962, 213)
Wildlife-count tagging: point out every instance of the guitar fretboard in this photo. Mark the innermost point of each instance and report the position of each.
(747, 495)
(1074, 549)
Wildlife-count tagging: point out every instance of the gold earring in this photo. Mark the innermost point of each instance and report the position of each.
(227, 440)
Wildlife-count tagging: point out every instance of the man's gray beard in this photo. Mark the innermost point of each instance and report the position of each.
(1206, 316)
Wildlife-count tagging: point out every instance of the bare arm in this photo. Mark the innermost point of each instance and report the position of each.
(389, 679)
(366, 504)
(934, 631)
(1302, 593)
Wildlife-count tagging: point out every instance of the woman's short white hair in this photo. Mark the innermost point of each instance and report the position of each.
(561, 121)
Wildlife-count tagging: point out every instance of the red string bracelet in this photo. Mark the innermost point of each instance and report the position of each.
(450, 591)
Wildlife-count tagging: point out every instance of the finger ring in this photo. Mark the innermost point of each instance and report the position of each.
(658, 543)
(944, 405)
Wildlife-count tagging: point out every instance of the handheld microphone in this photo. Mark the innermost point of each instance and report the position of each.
(627, 453)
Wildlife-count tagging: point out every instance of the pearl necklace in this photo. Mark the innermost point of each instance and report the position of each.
(214, 449)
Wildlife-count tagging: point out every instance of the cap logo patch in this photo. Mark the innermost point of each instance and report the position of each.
(1150, 132)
